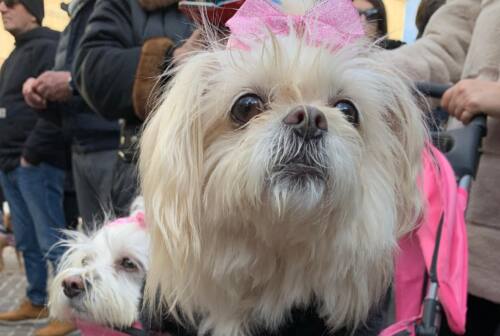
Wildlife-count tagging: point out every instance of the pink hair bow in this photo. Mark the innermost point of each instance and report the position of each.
(137, 218)
(331, 23)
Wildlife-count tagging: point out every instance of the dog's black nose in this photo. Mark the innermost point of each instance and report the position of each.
(307, 122)
(73, 286)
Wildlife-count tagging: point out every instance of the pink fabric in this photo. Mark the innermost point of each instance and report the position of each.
(137, 218)
(89, 329)
(442, 194)
(332, 23)
(406, 325)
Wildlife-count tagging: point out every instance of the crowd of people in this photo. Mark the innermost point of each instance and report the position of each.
(72, 105)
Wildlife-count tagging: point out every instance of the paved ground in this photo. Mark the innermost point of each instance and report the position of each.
(12, 291)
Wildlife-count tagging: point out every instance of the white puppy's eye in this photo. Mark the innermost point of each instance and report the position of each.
(85, 261)
(246, 107)
(349, 110)
(128, 265)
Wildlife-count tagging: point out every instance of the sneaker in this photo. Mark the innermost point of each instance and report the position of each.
(56, 328)
(25, 313)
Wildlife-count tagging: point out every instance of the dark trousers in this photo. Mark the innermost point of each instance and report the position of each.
(35, 197)
(483, 317)
(125, 186)
(93, 177)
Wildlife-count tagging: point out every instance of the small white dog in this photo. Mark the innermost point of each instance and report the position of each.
(278, 174)
(100, 277)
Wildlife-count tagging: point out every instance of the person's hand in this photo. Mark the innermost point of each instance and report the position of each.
(31, 96)
(193, 43)
(470, 97)
(54, 85)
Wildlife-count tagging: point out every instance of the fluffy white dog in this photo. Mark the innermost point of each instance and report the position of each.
(279, 174)
(100, 276)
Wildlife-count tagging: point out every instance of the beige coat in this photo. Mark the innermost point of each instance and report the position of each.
(462, 40)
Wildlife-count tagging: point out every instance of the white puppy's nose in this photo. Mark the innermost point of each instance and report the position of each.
(73, 286)
(307, 122)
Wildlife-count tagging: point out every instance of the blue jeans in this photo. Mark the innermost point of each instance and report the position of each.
(35, 197)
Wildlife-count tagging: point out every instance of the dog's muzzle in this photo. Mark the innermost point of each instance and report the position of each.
(73, 286)
(299, 149)
(307, 122)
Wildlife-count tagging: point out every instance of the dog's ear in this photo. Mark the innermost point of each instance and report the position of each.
(170, 165)
(406, 120)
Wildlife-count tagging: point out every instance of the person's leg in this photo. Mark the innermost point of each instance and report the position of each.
(93, 176)
(26, 240)
(124, 188)
(71, 212)
(42, 187)
(482, 316)
(70, 204)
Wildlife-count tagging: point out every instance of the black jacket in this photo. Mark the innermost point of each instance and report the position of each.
(106, 63)
(89, 132)
(33, 54)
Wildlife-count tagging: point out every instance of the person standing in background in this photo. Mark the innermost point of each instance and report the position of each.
(425, 10)
(126, 46)
(94, 139)
(32, 155)
(374, 18)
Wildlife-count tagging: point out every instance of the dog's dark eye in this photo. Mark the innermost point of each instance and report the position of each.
(85, 261)
(349, 110)
(246, 107)
(128, 265)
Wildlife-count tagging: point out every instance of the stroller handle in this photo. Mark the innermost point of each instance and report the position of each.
(433, 90)
(460, 146)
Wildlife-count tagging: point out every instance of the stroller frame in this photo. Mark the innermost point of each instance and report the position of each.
(461, 148)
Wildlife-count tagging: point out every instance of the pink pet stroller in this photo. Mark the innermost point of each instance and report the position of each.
(431, 267)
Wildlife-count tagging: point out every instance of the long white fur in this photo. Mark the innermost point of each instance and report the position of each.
(113, 297)
(234, 246)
